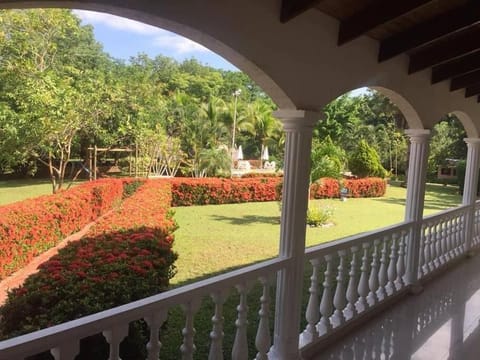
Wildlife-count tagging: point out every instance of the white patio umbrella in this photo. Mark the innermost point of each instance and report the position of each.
(240, 153)
(265, 155)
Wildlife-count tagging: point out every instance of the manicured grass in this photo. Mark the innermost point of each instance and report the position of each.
(16, 190)
(215, 238)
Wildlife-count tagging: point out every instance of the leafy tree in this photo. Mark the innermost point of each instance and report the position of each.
(328, 160)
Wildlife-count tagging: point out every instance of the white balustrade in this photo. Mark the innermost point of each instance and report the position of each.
(339, 299)
(392, 266)
(443, 239)
(312, 313)
(363, 288)
(326, 304)
(114, 337)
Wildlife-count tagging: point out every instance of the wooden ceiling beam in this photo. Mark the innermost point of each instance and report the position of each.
(431, 30)
(377, 13)
(292, 8)
(472, 90)
(464, 44)
(456, 67)
(465, 80)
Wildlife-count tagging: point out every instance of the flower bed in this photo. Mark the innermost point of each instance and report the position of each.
(330, 188)
(188, 191)
(126, 256)
(29, 227)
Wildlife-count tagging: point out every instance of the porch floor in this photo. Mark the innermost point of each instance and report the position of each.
(442, 322)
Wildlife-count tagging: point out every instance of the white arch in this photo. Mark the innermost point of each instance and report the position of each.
(467, 123)
(261, 78)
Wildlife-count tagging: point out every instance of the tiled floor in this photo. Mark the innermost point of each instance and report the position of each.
(443, 322)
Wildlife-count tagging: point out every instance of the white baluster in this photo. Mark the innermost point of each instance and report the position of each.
(443, 232)
(427, 239)
(373, 279)
(240, 344)
(263, 339)
(449, 228)
(339, 299)
(155, 322)
(352, 293)
(438, 236)
(67, 351)
(392, 266)
(216, 335)
(114, 337)
(433, 247)
(362, 303)
(312, 313)
(188, 347)
(382, 273)
(326, 305)
(399, 283)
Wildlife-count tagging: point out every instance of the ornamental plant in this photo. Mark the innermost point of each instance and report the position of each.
(203, 191)
(365, 162)
(30, 227)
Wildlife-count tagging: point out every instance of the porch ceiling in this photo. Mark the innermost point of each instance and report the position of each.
(441, 35)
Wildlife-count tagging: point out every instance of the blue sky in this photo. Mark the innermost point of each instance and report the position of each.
(123, 38)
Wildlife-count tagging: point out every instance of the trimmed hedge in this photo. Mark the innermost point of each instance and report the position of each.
(330, 188)
(203, 191)
(127, 256)
(30, 227)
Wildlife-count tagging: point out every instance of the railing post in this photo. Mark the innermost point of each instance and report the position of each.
(298, 126)
(417, 171)
(470, 187)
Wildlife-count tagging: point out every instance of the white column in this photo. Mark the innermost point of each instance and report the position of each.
(470, 187)
(417, 171)
(298, 126)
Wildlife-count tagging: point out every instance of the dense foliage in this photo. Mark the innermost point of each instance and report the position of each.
(365, 162)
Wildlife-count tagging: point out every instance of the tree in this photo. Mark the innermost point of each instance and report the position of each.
(49, 63)
(328, 160)
(365, 161)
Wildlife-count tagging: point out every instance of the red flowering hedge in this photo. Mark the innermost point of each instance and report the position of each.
(189, 191)
(127, 256)
(29, 227)
(366, 187)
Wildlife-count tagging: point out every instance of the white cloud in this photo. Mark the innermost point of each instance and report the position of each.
(177, 43)
(159, 37)
(116, 22)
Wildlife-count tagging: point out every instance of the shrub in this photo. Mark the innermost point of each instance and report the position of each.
(365, 162)
(202, 191)
(330, 188)
(328, 160)
(317, 216)
(30, 227)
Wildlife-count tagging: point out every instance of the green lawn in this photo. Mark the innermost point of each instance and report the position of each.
(215, 238)
(13, 191)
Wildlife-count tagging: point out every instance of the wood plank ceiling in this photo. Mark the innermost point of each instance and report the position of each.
(443, 35)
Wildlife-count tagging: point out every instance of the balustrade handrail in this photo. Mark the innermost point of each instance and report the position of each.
(439, 215)
(54, 336)
(357, 239)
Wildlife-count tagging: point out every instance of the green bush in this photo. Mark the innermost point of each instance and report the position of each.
(328, 160)
(365, 162)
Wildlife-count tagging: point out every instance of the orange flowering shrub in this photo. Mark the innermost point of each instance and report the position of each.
(330, 188)
(189, 191)
(30, 227)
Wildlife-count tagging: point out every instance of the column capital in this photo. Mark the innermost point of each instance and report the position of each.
(293, 119)
(474, 142)
(418, 135)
